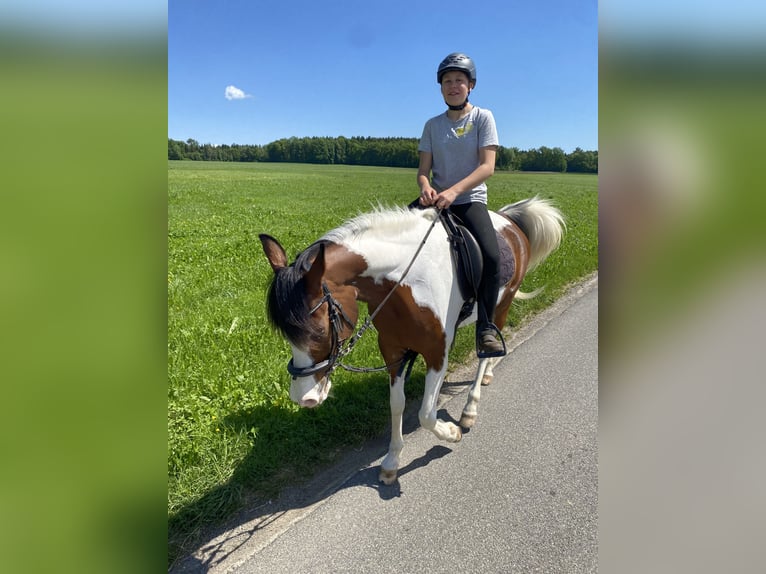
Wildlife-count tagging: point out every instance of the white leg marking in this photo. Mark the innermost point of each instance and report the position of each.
(390, 464)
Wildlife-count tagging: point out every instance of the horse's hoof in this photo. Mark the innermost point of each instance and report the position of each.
(486, 380)
(467, 421)
(387, 477)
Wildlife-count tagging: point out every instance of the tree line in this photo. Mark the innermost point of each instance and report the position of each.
(386, 152)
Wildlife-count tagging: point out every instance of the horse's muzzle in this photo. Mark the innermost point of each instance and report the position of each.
(310, 397)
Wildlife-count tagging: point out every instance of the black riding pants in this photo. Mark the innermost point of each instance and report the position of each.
(475, 217)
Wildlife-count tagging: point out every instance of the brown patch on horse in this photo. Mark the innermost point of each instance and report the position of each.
(343, 264)
(402, 324)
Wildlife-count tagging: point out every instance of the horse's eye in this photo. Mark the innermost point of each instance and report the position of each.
(320, 334)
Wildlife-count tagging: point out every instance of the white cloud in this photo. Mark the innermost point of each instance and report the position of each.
(234, 93)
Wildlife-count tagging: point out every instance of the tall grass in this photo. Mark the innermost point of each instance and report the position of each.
(233, 434)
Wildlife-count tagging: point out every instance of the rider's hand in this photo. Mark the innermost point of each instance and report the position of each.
(445, 199)
(428, 196)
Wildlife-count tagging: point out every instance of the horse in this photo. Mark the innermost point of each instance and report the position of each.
(398, 262)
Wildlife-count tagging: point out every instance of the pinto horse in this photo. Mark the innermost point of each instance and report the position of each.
(398, 262)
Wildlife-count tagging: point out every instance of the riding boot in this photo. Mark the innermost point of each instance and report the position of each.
(487, 334)
(487, 343)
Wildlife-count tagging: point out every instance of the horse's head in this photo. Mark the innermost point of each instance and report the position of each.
(314, 313)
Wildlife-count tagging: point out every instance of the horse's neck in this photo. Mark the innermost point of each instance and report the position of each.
(343, 266)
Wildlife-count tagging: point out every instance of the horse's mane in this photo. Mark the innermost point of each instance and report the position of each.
(388, 221)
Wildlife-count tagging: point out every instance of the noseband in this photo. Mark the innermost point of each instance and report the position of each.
(337, 316)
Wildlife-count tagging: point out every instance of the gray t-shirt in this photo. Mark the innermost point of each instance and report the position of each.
(455, 149)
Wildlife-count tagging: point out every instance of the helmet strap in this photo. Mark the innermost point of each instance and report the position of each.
(460, 107)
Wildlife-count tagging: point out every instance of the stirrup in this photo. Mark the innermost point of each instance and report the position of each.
(490, 354)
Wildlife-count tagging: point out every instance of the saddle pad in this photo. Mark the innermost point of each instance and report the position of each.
(507, 261)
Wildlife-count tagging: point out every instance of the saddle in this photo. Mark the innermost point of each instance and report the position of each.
(466, 255)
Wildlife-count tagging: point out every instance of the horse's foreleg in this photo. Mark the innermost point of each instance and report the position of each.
(444, 430)
(390, 464)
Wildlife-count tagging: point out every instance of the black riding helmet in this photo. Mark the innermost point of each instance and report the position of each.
(457, 62)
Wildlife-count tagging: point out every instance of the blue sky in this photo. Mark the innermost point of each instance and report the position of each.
(353, 68)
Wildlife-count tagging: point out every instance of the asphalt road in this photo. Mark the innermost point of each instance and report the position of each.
(519, 493)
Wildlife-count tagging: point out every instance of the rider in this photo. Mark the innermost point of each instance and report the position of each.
(457, 155)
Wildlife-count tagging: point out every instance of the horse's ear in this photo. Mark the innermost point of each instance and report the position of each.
(275, 253)
(314, 275)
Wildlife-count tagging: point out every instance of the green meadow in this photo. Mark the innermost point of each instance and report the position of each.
(234, 436)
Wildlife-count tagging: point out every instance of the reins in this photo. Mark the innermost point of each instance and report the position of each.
(338, 349)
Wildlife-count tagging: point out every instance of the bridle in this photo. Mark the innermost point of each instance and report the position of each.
(337, 316)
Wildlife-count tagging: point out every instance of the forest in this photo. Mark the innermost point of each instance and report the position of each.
(386, 152)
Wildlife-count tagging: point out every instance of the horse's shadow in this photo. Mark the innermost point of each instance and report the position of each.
(369, 476)
(357, 468)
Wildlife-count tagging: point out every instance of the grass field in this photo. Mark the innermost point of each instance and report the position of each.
(234, 436)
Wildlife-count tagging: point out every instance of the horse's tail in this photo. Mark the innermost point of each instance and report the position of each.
(542, 223)
(521, 295)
